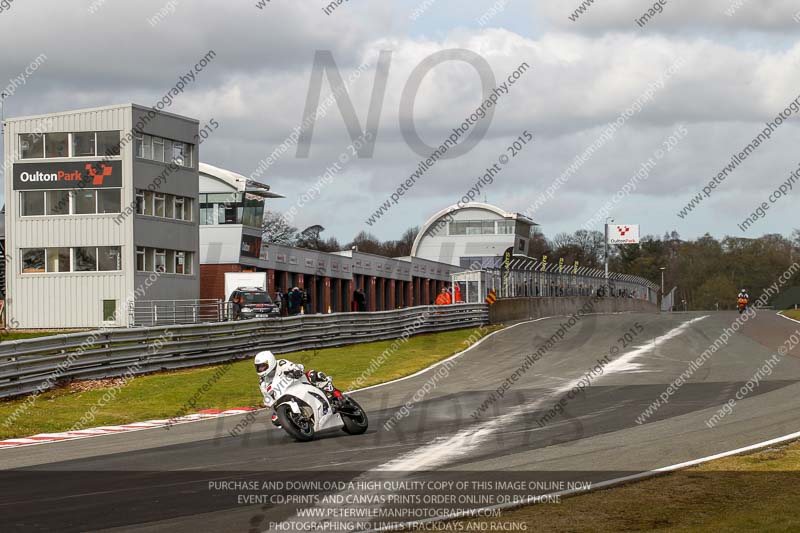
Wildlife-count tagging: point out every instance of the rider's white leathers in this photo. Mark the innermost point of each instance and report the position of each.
(287, 367)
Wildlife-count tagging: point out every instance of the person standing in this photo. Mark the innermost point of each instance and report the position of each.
(295, 301)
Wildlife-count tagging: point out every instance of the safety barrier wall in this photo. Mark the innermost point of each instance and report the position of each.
(508, 310)
(38, 364)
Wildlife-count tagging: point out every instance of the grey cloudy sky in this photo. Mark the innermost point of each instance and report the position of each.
(738, 71)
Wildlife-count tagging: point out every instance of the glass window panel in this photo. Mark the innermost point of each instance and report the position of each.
(159, 205)
(170, 262)
(188, 209)
(169, 206)
(109, 258)
(140, 264)
(148, 203)
(58, 202)
(83, 144)
(84, 202)
(31, 146)
(139, 146)
(85, 259)
(167, 151)
(179, 206)
(147, 151)
(206, 215)
(487, 227)
(109, 200)
(180, 262)
(178, 153)
(188, 155)
(188, 266)
(109, 310)
(33, 260)
(158, 149)
(32, 203)
(140, 202)
(160, 260)
(108, 143)
(149, 259)
(58, 259)
(56, 144)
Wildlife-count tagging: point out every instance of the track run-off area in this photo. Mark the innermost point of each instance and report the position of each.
(617, 396)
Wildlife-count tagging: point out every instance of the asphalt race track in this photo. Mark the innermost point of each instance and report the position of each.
(184, 478)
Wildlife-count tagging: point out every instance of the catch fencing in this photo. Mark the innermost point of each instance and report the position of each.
(38, 364)
(527, 277)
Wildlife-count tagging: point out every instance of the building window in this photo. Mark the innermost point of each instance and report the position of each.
(138, 146)
(140, 263)
(85, 259)
(167, 151)
(85, 202)
(148, 203)
(58, 260)
(149, 259)
(188, 266)
(140, 202)
(108, 200)
(180, 262)
(32, 203)
(109, 258)
(505, 227)
(179, 208)
(57, 202)
(56, 144)
(33, 260)
(178, 154)
(108, 143)
(147, 152)
(158, 208)
(31, 146)
(158, 149)
(83, 144)
(163, 150)
(161, 260)
(109, 311)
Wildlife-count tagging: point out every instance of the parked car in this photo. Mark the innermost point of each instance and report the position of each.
(252, 302)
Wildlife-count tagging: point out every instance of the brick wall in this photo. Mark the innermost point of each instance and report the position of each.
(212, 280)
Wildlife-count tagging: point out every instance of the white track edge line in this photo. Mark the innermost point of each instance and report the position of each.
(780, 313)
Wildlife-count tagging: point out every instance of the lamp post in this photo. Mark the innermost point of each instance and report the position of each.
(605, 250)
(662, 280)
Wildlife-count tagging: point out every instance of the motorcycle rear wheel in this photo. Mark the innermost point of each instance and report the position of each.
(298, 427)
(354, 418)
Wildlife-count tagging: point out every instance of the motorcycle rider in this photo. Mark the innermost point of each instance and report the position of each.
(744, 295)
(270, 369)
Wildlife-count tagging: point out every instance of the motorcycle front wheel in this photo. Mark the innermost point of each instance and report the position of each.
(354, 418)
(297, 426)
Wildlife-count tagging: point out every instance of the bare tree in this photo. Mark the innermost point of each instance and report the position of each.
(276, 230)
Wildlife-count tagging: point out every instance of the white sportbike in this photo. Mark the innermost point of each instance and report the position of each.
(303, 409)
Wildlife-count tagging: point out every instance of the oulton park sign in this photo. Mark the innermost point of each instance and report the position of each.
(70, 175)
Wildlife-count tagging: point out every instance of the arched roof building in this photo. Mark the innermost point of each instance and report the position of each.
(462, 234)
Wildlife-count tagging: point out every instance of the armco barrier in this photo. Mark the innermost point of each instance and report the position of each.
(508, 310)
(31, 364)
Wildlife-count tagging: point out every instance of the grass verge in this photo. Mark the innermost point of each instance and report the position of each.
(6, 335)
(793, 313)
(744, 493)
(164, 395)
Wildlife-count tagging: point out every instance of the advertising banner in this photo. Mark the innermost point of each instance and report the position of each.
(67, 175)
(623, 233)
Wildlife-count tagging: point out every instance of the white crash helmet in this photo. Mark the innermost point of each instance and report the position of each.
(265, 364)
